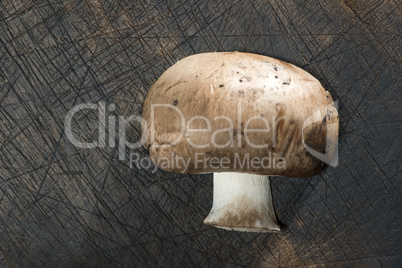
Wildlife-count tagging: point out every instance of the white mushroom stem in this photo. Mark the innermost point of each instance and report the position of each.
(242, 202)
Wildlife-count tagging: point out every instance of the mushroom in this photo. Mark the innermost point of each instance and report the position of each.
(243, 117)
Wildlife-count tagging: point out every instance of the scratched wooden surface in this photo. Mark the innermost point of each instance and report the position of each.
(62, 206)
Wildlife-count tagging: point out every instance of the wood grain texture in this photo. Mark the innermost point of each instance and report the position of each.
(62, 206)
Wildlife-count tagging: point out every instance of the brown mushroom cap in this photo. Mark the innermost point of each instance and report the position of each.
(241, 87)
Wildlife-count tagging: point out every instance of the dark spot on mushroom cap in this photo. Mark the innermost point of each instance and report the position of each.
(327, 97)
(175, 102)
(285, 83)
(220, 85)
(240, 80)
(276, 76)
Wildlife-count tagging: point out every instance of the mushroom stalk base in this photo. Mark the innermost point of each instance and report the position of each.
(242, 202)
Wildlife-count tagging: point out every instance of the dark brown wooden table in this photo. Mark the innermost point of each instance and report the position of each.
(63, 206)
